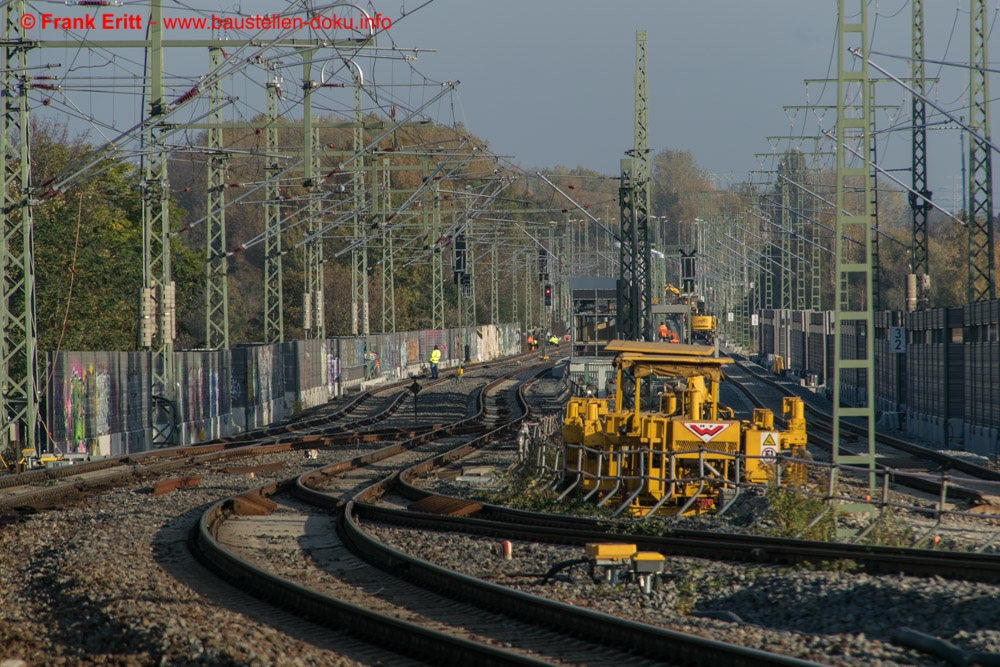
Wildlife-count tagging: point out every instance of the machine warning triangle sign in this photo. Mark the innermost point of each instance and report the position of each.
(705, 432)
(769, 446)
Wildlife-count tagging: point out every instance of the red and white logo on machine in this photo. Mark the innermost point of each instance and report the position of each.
(706, 431)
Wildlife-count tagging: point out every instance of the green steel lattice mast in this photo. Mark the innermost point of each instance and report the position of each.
(853, 272)
(980, 214)
(19, 379)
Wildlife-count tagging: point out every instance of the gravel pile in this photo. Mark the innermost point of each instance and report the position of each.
(112, 583)
(831, 615)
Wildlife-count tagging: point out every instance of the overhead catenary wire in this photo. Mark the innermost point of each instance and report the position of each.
(231, 65)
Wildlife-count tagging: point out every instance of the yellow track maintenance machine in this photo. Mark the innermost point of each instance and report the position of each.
(703, 328)
(687, 455)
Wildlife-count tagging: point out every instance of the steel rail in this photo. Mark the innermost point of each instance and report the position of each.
(371, 626)
(138, 467)
(634, 637)
(911, 480)
(982, 472)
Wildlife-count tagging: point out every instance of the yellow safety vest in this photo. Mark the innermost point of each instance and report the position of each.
(435, 356)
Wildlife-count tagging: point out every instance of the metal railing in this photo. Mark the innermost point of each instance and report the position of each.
(935, 523)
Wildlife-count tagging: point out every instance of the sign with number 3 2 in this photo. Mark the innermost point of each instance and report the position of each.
(897, 340)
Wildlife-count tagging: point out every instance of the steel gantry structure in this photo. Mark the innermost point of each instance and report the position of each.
(853, 270)
(157, 329)
(19, 380)
(920, 195)
(634, 285)
(313, 303)
(217, 264)
(157, 312)
(808, 208)
(980, 213)
(274, 312)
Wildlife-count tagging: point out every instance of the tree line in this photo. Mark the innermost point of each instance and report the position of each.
(88, 239)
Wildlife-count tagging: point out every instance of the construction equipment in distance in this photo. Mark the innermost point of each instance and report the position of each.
(685, 455)
(682, 306)
(703, 329)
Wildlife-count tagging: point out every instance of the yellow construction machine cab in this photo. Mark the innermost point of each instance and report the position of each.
(703, 323)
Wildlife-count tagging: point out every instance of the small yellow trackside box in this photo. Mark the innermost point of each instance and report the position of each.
(648, 556)
(610, 551)
(648, 561)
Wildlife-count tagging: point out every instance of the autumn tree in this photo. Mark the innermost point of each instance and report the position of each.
(88, 250)
(678, 182)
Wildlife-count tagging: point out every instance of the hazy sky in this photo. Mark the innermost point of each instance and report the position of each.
(550, 82)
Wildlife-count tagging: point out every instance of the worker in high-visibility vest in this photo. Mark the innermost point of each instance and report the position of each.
(553, 340)
(435, 359)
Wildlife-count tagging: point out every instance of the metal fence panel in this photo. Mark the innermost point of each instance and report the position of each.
(97, 403)
(203, 397)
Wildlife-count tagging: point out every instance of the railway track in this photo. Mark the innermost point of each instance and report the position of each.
(134, 583)
(904, 463)
(331, 425)
(452, 625)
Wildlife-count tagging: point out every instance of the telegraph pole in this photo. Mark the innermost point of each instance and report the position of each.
(274, 317)
(313, 303)
(382, 201)
(437, 263)
(158, 285)
(634, 284)
(360, 319)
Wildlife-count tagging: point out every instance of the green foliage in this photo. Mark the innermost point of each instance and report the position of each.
(651, 527)
(88, 251)
(890, 531)
(687, 593)
(792, 512)
(526, 492)
(534, 496)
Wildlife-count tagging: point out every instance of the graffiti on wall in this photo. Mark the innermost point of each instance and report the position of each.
(88, 406)
(304, 359)
(261, 377)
